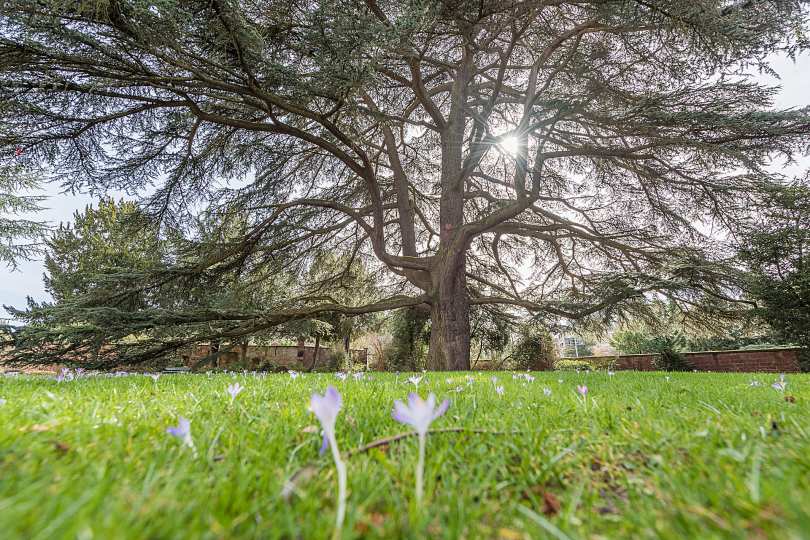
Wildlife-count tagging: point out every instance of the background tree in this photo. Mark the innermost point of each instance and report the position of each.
(663, 325)
(20, 238)
(777, 253)
(458, 143)
(101, 251)
(343, 278)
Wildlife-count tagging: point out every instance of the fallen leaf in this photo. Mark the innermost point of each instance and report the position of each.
(61, 447)
(790, 399)
(509, 534)
(551, 505)
(310, 429)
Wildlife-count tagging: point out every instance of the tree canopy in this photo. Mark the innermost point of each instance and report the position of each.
(561, 157)
(102, 251)
(20, 238)
(777, 254)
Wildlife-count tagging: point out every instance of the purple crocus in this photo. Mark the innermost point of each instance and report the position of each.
(779, 385)
(546, 392)
(183, 432)
(499, 390)
(414, 380)
(419, 414)
(234, 390)
(326, 407)
(582, 390)
(340, 375)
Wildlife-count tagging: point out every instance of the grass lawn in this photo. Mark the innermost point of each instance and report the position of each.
(696, 455)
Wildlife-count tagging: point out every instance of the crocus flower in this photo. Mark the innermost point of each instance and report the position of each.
(779, 385)
(499, 390)
(494, 379)
(64, 375)
(582, 390)
(529, 378)
(546, 391)
(419, 414)
(459, 389)
(183, 432)
(340, 375)
(2, 401)
(294, 374)
(326, 407)
(234, 389)
(611, 373)
(414, 380)
(358, 375)
(755, 383)
(153, 376)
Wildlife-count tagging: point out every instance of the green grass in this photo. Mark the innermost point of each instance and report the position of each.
(697, 456)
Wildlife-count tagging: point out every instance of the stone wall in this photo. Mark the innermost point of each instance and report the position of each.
(270, 356)
(779, 360)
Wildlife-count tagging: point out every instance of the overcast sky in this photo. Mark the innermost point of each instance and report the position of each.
(15, 286)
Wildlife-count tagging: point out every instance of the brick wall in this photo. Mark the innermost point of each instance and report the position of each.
(770, 360)
(782, 360)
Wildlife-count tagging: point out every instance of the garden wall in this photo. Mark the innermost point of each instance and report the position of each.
(778, 360)
(270, 356)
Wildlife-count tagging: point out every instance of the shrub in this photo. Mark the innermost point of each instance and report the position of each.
(534, 348)
(410, 330)
(569, 364)
(602, 362)
(669, 355)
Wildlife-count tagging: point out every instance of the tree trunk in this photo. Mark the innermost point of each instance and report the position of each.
(315, 356)
(450, 319)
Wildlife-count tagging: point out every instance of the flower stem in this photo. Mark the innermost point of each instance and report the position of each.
(420, 469)
(341, 474)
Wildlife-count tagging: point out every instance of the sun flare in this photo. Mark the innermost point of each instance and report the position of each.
(510, 145)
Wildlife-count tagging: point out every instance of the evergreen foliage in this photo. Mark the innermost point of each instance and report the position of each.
(777, 254)
(20, 238)
(448, 144)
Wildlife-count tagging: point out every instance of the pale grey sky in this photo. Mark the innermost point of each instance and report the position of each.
(15, 286)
